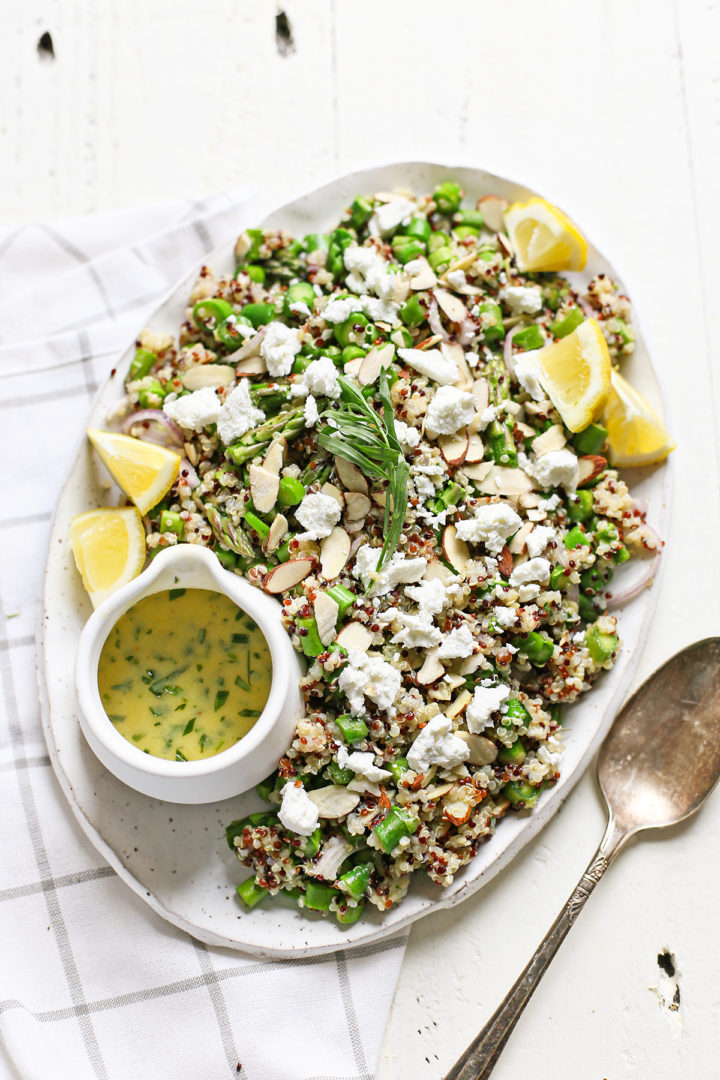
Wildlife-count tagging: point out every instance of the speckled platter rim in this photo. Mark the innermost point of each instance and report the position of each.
(175, 858)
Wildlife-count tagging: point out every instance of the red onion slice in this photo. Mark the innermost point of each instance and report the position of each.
(168, 435)
(187, 474)
(468, 330)
(634, 590)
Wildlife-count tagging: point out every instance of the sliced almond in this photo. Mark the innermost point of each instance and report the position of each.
(334, 553)
(277, 531)
(437, 570)
(436, 791)
(334, 801)
(459, 803)
(254, 365)
(334, 493)
(331, 857)
(355, 636)
(326, 615)
(451, 305)
(274, 458)
(357, 506)
(379, 498)
(505, 562)
(471, 664)
(431, 671)
(455, 550)
(517, 544)
(525, 430)
(529, 500)
(590, 466)
(475, 450)
(374, 361)
(454, 447)
(428, 342)
(213, 375)
(425, 277)
(502, 480)
(353, 366)
(493, 208)
(453, 681)
(459, 705)
(481, 392)
(552, 439)
(350, 476)
(482, 750)
(451, 350)
(286, 575)
(479, 471)
(264, 487)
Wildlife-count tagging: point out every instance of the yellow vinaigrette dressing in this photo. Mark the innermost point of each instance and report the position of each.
(184, 674)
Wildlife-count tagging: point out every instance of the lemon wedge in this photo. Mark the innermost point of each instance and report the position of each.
(109, 549)
(543, 238)
(636, 434)
(144, 471)
(575, 373)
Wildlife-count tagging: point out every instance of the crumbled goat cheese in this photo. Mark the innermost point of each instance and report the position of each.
(319, 514)
(414, 266)
(381, 310)
(399, 571)
(505, 616)
(311, 411)
(368, 272)
(418, 631)
(449, 410)
(558, 468)
(551, 503)
(338, 311)
(238, 414)
(428, 595)
(528, 592)
(391, 214)
(486, 417)
(297, 813)
(300, 308)
(457, 645)
(431, 363)
(486, 700)
(491, 525)
(457, 279)
(424, 486)
(408, 436)
(361, 763)
(195, 411)
(321, 378)
(538, 540)
(436, 745)
(527, 373)
(522, 299)
(532, 570)
(279, 348)
(368, 675)
(243, 330)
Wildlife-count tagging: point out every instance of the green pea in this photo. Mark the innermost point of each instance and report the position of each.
(412, 312)
(290, 491)
(254, 272)
(447, 197)
(301, 363)
(258, 314)
(576, 538)
(437, 240)
(352, 352)
(352, 330)
(529, 338)
(559, 578)
(591, 440)
(593, 581)
(408, 250)
(301, 292)
(536, 646)
(338, 775)
(492, 324)
(360, 212)
(587, 609)
(441, 258)
(512, 755)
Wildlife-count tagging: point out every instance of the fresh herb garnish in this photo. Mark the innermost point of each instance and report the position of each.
(220, 699)
(369, 441)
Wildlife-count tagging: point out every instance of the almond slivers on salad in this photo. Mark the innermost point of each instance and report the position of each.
(407, 429)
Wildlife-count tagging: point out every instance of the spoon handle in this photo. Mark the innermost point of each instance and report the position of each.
(481, 1056)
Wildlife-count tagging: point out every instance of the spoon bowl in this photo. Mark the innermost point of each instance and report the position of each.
(661, 758)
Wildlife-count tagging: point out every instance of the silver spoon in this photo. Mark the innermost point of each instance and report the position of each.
(657, 766)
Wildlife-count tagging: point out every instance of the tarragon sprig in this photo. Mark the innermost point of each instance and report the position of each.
(360, 435)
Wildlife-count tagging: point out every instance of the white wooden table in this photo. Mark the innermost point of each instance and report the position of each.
(612, 110)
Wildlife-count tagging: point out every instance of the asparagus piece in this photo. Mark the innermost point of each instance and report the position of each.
(289, 423)
(500, 436)
(232, 536)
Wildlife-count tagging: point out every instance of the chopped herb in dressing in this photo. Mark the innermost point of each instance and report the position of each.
(161, 658)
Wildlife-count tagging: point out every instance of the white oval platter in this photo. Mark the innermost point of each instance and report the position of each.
(175, 857)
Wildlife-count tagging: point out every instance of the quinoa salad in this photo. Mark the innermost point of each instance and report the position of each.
(366, 435)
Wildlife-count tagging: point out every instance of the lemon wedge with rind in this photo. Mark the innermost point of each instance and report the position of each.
(543, 238)
(636, 434)
(145, 471)
(109, 549)
(575, 373)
